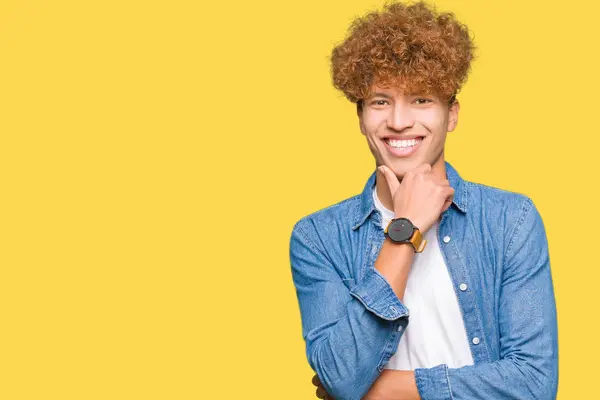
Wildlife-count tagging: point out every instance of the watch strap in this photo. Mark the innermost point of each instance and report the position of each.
(418, 241)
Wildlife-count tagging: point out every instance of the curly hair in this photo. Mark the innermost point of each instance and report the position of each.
(409, 47)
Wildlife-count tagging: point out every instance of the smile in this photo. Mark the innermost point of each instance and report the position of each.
(402, 148)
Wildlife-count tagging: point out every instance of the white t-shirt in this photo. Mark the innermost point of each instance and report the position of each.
(436, 332)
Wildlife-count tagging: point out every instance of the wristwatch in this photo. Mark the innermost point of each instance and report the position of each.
(402, 230)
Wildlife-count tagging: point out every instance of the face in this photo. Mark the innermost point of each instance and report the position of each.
(405, 130)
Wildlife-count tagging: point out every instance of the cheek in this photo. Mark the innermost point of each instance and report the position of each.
(436, 123)
(373, 121)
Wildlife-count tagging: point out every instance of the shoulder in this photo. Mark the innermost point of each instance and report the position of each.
(324, 237)
(486, 195)
(513, 212)
(486, 200)
(336, 216)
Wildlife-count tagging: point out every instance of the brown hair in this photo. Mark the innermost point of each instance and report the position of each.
(409, 47)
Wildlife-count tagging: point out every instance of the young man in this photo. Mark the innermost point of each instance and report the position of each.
(425, 285)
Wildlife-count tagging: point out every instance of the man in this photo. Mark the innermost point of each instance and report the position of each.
(425, 285)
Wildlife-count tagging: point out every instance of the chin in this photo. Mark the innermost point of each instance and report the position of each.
(403, 166)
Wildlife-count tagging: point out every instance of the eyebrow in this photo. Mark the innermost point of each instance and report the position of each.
(380, 94)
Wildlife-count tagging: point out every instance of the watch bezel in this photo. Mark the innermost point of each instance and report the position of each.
(396, 221)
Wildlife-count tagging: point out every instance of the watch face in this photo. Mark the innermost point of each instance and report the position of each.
(400, 230)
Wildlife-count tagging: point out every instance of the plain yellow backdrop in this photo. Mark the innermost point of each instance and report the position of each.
(154, 156)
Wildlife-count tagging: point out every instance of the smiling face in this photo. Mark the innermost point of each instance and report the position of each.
(405, 130)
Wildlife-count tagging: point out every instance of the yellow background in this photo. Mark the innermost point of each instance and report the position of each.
(154, 156)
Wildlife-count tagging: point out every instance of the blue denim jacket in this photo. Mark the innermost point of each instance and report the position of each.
(352, 321)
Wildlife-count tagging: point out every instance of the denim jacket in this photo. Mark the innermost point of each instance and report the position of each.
(495, 247)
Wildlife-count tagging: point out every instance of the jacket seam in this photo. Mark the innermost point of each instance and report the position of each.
(379, 314)
(526, 206)
(368, 256)
(306, 238)
(311, 243)
(383, 355)
(448, 380)
(496, 189)
(338, 204)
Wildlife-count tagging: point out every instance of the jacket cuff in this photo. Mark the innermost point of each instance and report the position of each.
(376, 294)
(433, 383)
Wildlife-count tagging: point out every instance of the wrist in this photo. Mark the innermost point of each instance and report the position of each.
(401, 230)
(415, 220)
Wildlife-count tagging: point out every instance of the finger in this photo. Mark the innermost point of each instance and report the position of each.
(422, 169)
(440, 181)
(447, 205)
(449, 195)
(447, 192)
(391, 178)
(316, 381)
(321, 393)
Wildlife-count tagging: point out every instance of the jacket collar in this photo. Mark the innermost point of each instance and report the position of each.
(366, 205)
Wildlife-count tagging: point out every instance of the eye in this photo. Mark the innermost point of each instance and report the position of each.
(421, 101)
(379, 103)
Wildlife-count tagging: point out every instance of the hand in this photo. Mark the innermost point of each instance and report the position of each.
(394, 385)
(421, 197)
(321, 392)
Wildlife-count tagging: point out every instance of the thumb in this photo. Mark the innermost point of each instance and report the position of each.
(449, 199)
(447, 205)
(391, 178)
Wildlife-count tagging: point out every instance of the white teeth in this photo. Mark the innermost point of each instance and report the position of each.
(403, 143)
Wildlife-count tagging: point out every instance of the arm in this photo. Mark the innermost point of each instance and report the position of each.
(351, 333)
(394, 385)
(528, 365)
(393, 263)
(391, 385)
(347, 331)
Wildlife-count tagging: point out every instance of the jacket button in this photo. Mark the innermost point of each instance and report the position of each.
(463, 286)
(475, 340)
(446, 239)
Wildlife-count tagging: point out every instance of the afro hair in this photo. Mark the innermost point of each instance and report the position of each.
(411, 47)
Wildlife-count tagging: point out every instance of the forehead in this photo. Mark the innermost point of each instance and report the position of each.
(399, 91)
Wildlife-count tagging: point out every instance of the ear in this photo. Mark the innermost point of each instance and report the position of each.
(453, 115)
(359, 111)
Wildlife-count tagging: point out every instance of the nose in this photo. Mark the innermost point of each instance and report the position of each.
(400, 117)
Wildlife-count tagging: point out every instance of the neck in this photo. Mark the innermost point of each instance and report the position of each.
(383, 190)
